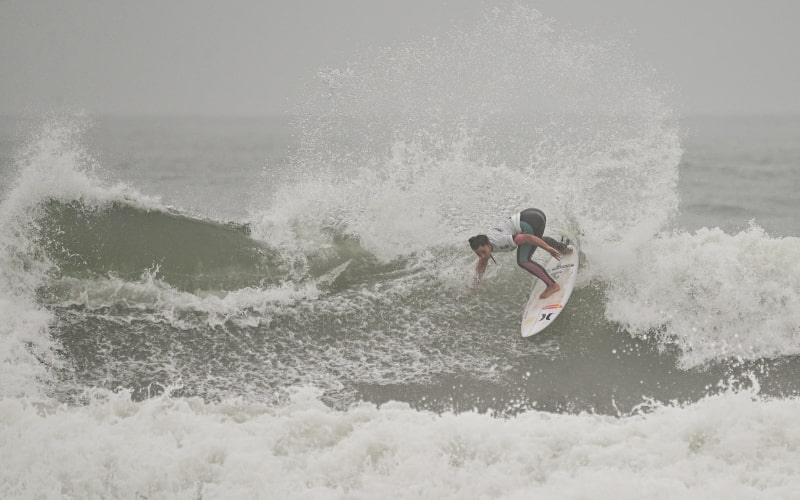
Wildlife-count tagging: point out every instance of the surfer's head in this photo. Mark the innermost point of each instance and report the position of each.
(478, 241)
(481, 246)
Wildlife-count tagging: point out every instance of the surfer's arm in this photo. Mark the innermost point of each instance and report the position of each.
(530, 239)
(480, 268)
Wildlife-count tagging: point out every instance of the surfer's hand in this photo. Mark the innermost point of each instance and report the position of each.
(475, 282)
(555, 253)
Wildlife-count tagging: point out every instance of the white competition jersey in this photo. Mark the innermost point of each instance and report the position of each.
(502, 237)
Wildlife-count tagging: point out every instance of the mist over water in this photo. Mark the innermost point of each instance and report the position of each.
(327, 342)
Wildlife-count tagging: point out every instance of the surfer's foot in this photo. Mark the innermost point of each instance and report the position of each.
(550, 290)
(567, 250)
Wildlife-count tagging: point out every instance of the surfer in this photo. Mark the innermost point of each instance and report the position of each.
(523, 231)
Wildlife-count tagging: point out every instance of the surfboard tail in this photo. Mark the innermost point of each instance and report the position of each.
(540, 313)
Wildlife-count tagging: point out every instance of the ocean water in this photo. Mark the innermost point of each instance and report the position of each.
(278, 307)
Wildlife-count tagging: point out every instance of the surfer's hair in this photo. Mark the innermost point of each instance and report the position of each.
(478, 241)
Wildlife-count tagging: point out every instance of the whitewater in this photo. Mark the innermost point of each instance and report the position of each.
(279, 307)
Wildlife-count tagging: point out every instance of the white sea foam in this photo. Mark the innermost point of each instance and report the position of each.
(25, 349)
(152, 299)
(24, 345)
(734, 445)
(718, 296)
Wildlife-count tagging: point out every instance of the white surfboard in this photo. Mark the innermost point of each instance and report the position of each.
(540, 313)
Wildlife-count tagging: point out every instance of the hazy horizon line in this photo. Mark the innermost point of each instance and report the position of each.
(276, 114)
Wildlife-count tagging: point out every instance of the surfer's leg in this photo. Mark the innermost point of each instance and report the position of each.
(532, 221)
(524, 253)
(537, 270)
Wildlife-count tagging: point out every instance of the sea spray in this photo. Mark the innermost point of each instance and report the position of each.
(424, 143)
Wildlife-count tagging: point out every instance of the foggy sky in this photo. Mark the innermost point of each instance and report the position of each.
(252, 57)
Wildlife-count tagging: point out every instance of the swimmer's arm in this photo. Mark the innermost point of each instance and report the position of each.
(530, 239)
